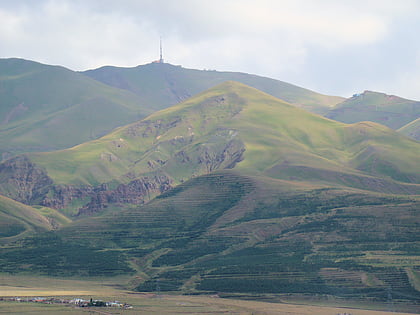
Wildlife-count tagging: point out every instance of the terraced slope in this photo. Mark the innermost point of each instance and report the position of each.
(388, 110)
(167, 85)
(46, 107)
(225, 232)
(232, 190)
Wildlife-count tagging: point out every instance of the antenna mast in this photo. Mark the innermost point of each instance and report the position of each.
(161, 58)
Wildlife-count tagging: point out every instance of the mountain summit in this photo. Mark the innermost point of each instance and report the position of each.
(163, 85)
(46, 108)
(229, 126)
(232, 190)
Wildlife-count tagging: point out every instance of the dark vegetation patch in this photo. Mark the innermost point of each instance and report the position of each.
(11, 228)
(320, 250)
(315, 201)
(48, 254)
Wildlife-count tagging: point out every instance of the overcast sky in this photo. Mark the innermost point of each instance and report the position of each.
(336, 47)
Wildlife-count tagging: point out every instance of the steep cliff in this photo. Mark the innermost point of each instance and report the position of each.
(23, 181)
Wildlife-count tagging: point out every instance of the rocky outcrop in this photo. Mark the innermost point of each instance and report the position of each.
(149, 128)
(228, 157)
(23, 181)
(137, 191)
(62, 196)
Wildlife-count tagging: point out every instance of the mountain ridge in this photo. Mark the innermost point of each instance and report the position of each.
(232, 191)
(229, 126)
(389, 110)
(45, 108)
(176, 83)
(48, 107)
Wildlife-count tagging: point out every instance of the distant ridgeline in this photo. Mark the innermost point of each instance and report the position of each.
(232, 190)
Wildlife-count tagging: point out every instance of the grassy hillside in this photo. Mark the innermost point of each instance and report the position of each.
(233, 125)
(225, 232)
(166, 84)
(18, 220)
(46, 107)
(232, 190)
(412, 129)
(388, 110)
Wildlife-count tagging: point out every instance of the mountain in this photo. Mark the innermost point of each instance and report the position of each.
(232, 190)
(226, 232)
(388, 110)
(230, 233)
(164, 84)
(46, 107)
(229, 126)
(412, 129)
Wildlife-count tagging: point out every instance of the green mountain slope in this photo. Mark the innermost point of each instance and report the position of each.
(232, 190)
(226, 232)
(46, 107)
(388, 110)
(18, 220)
(166, 84)
(229, 126)
(251, 128)
(412, 129)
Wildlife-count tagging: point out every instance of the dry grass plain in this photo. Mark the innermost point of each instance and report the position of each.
(144, 303)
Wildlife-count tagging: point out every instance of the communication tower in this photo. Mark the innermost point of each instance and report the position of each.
(161, 57)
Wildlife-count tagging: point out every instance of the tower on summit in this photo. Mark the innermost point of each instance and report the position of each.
(160, 60)
(161, 57)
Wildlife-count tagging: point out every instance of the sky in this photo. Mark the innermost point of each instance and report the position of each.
(335, 47)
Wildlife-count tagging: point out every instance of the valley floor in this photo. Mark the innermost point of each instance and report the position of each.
(161, 304)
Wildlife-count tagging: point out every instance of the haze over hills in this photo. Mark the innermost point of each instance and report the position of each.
(229, 126)
(46, 107)
(166, 84)
(389, 110)
(412, 129)
(232, 190)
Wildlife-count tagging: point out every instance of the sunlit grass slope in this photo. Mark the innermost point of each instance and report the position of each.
(46, 107)
(388, 110)
(266, 198)
(264, 134)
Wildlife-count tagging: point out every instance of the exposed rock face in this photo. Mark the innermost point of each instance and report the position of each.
(148, 128)
(22, 180)
(63, 195)
(136, 192)
(219, 149)
(228, 157)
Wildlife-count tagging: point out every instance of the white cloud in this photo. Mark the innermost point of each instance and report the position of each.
(10, 25)
(276, 38)
(319, 24)
(406, 84)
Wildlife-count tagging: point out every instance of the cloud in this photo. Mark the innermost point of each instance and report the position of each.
(407, 83)
(294, 41)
